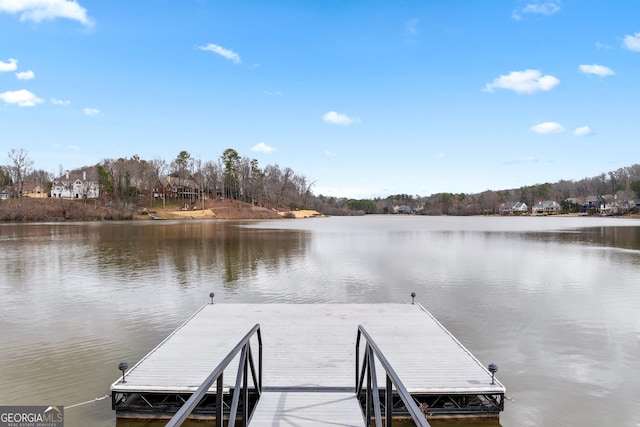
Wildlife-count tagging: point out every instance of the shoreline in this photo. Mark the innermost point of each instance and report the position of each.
(63, 210)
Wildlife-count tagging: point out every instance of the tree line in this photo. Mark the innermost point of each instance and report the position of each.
(621, 184)
(232, 176)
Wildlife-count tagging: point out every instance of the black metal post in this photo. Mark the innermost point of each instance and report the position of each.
(245, 389)
(367, 366)
(374, 389)
(219, 401)
(388, 404)
(357, 358)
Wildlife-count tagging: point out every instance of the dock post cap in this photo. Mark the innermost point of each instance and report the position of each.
(123, 366)
(493, 368)
(413, 297)
(211, 295)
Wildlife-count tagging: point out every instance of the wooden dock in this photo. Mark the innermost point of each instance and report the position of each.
(309, 363)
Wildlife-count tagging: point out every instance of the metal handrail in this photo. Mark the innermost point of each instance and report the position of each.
(246, 361)
(372, 402)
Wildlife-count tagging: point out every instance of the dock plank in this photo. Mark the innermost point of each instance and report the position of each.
(307, 409)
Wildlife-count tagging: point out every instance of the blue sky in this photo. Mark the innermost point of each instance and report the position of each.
(364, 98)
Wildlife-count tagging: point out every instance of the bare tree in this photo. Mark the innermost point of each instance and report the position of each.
(40, 176)
(243, 173)
(284, 184)
(20, 168)
(212, 178)
(156, 169)
(273, 175)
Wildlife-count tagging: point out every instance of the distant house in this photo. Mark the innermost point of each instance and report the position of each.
(171, 187)
(513, 208)
(183, 188)
(616, 206)
(161, 190)
(591, 204)
(78, 184)
(548, 207)
(402, 209)
(4, 195)
(35, 190)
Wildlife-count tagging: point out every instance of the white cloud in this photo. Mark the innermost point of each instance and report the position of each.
(528, 159)
(582, 131)
(229, 54)
(25, 75)
(273, 92)
(330, 153)
(91, 112)
(632, 42)
(338, 119)
(598, 70)
(411, 26)
(527, 81)
(601, 45)
(261, 147)
(525, 159)
(41, 10)
(55, 101)
(537, 8)
(547, 8)
(548, 127)
(74, 147)
(23, 98)
(10, 65)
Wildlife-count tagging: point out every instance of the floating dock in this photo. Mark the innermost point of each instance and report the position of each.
(309, 364)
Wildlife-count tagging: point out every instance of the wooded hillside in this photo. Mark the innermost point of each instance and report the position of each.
(126, 183)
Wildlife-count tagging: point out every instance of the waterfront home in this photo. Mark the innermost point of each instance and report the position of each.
(35, 190)
(547, 207)
(513, 208)
(402, 209)
(172, 187)
(77, 184)
(612, 205)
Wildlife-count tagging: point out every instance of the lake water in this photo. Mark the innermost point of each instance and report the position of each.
(554, 301)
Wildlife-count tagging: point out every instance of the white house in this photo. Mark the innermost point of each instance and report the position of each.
(514, 208)
(548, 207)
(77, 185)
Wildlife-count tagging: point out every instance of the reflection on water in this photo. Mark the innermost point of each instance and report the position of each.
(552, 301)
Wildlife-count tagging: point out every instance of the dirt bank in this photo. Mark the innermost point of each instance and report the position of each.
(306, 213)
(48, 209)
(51, 210)
(228, 209)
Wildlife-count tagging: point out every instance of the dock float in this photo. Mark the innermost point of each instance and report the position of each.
(310, 364)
